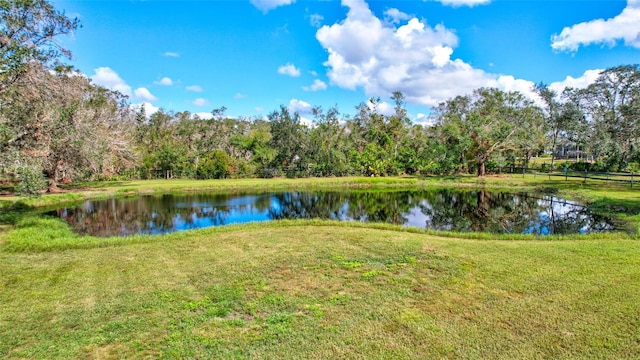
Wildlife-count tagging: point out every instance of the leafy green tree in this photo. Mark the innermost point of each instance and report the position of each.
(28, 32)
(372, 143)
(398, 125)
(254, 146)
(412, 150)
(218, 165)
(562, 118)
(490, 120)
(290, 139)
(612, 107)
(328, 144)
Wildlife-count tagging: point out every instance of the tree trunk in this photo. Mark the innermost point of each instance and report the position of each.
(481, 168)
(53, 175)
(53, 187)
(553, 152)
(484, 199)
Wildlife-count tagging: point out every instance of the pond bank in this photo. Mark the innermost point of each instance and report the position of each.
(28, 232)
(107, 189)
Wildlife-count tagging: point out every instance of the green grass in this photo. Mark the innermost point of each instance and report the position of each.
(274, 291)
(98, 190)
(319, 289)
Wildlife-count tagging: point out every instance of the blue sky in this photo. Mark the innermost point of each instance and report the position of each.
(252, 56)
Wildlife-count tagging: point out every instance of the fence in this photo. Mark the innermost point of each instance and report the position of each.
(614, 177)
(291, 171)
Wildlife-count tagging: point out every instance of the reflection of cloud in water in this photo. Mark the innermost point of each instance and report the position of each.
(417, 218)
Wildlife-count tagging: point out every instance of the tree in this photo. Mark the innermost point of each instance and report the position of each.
(612, 106)
(254, 145)
(447, 148)
(64, 126)
(373, 144)
(491, 120)
(552, 116)
(562, 117)
(328, 144)
(28, 31)
(289, 138)
(398, 123)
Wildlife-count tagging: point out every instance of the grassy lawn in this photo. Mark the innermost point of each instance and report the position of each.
(261, 291)
(313, 289)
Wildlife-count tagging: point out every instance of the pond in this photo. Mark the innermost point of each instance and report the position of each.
(440, 210)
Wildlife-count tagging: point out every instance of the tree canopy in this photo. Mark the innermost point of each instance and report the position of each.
(58, 127)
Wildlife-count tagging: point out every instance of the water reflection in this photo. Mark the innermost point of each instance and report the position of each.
(440, 210)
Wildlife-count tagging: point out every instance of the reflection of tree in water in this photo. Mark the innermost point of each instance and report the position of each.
(389, 207)
(441, 210)
(104, 218)
(386, 207)
(509, 213)
(154, 215)
(306, 205)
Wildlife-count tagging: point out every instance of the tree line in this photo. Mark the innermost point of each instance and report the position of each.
(56, 126)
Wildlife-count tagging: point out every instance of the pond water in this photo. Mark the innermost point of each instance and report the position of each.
(440, 210)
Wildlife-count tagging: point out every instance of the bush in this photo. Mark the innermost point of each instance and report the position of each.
(31, 180)
(217, 165)
(633, 167)
(597, 166)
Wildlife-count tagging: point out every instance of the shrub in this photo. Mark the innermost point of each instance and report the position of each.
(597, 166)
(31, 180)
(218, 165)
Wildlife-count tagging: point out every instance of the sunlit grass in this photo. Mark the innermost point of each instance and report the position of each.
(329, 291)
(47, 234)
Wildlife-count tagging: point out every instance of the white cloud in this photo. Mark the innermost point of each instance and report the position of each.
(457, 3)
(509, 83)
(201, 102)
(266, 5)
(316, 20)
(105, 76)
(316, 86)
(239, 96)
(171, 54)
(423, 119)
(289, 69)
(143, 93)
(194, 88)
(149, 109)
(625, 26)
(204, 115)
(165, 81)
(414, 58)
(381, 107)
(587, 78)
(300, 107)
(307, 122)
(395, 16)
